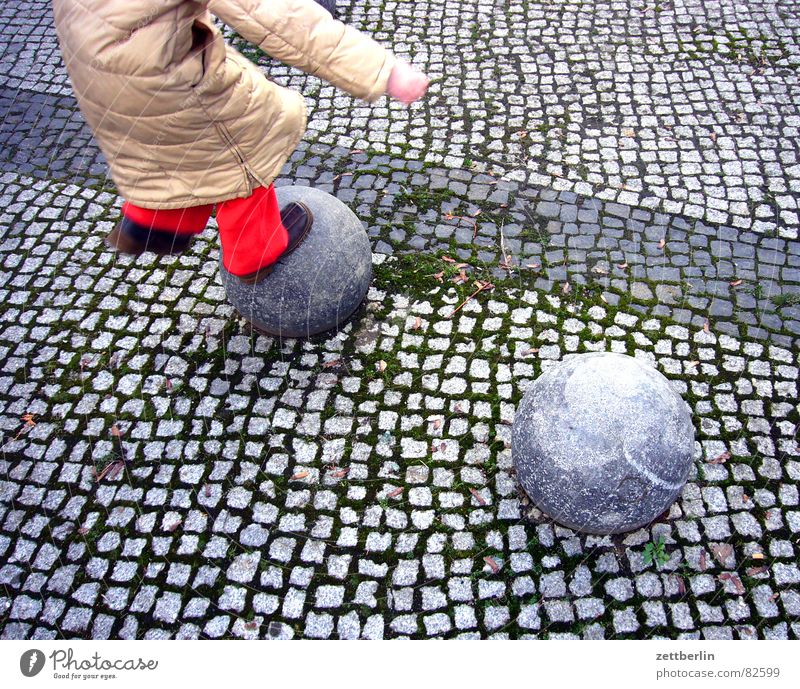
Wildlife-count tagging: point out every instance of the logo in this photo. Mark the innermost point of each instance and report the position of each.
(31, 662)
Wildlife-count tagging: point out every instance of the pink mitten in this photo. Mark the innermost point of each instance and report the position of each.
(406, 84)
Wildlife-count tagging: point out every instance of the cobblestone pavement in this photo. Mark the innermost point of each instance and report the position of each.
(166, 472)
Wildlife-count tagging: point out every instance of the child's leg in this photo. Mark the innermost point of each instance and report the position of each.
(251, 232)
(161, 231)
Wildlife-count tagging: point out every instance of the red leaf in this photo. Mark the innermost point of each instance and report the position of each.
(494, 566)
(722, 551)
(703, 561)
(331, 364)
(299, 475)
(720, 459)
(395, 493)
(737, 583)
(341, 473)
(477, 496)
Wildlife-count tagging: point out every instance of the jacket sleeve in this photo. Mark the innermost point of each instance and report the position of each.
(304, 35)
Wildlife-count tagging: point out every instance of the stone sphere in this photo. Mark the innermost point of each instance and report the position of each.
(602, 443)
(320, 284)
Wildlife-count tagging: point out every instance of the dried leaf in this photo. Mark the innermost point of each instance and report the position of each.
(107, 468)
(681, 585)
(115, 470)
(706, 327)
(529, 352)
(722, 551)
(417, 323)
(566, 289)
(168, 383)
(736, 283)
(662, 243)
(533, 266)
(208, 491)
(115, 431)
(755, 571)
(332, 363)
(757, 556)
(437, 424)
(439, 276)
(735, 580)
(713, 136)
(299, 475)
(447, 259)
(341, 473)
(395, 493)
(477, 496)
(28, 419)
(174, 525)
(481, 285)
(491, 562)
(381, 366)
(603, 298)
(703, 561)
(83, 531)
(627, 131)
(720, 459)
(622, 266)
(251, 625)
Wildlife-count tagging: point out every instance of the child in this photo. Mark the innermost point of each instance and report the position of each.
(186, 122)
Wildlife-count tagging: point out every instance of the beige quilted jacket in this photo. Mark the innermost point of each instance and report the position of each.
(182, 118)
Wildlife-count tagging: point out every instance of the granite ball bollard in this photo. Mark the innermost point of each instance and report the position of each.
(320, 284)
(602, 443)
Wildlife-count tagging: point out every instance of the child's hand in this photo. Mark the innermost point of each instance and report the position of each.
(406, 84)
